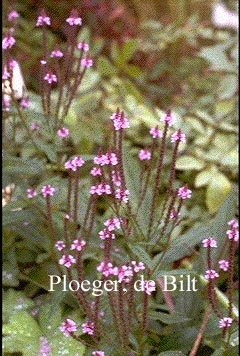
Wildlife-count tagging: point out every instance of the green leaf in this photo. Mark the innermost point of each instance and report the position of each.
(217, 191)
(140, 253)
(50, 316)
(188, 163)
(203, 178)
(106, 68)
(22, 334)
(174, 318)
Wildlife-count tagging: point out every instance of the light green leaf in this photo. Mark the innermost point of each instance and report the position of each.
(188, 163)
(217, 191)
(106, 68)
(203, 178)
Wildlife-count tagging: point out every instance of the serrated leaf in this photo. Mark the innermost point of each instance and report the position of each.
(217, 191)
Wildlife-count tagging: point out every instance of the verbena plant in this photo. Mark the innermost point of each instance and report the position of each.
(121, 230)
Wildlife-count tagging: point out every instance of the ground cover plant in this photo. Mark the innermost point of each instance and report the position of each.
(120, 228)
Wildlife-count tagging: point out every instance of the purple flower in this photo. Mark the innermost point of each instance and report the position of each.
(67, 260)
(35, 126)
(178, 136)
(233, 234)
(211, 274)
(209, 242)
(60, 245)
(45, 349)
(223, 264)
(95, 171)
(68, 326)
(155, 132)
(47, 190)
(98, 353)
(148, 287)
(12, 15)
(112, 223)
(8, 42)
(25, 102)
(138, 267)
(50, 78)
(88, 328)
(184, 192)
(225, 322)
(77, 245)
(144, 155)
(31, 192)
(119, 121)
(74, 19)
(106, 234)
(43, 19)
(63, 132)
(168, 118)
(83, 46)
(56, 54)
(87, 62)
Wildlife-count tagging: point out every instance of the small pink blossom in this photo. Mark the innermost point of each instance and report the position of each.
(74, 163)
(74, 19)
(122, 194)
(233, 234)
(98, 353)
(124, 273)
(209, 242)
(43, 19)
(223, 264)
(112, 223)
(116, 178)
(173, 214)
(101, 189)
(88, 328)
(8, 42)
(138, 267)
(155, 132)
(87, 62)
(77, 245)
(178, 136)
(67, 260)
(119, 121)
(47, 190)
(96, 171)
(106, 234)
(148, 287)
(6, 102)
(63, 132)
(211, 274)
(108, 158)
(144, 155)
(43, 62)
(45, 349)
(67, 217)
(68, 326)
(107, 269)
(184, 192)
(168, 118)
(12, 15)
(225, 322)
(83, 46)
(60, 245)
(12, 64)
(35, 126)
(50, 78)
(56, 54)
(233, 224)
(31, 192)
(24, 103)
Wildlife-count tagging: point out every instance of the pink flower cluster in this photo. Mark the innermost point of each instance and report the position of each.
(47, 190)
(184, 193)
(45, 349)
(96, 171)
(122, 194)
(50, 78)
(211, 274)
(178, 136)
(148, 287)
(233, 233)
(144, 155)
(67, 260)
(9, 40)
(223, 265)
(83, 46)
(68, 326)
(87, 62)
(109, 158)
(56, 53)
(88, 327)
(31, 192)
(77, 245)
(43, 19)
(119, 121)
(98, 353)
(138, 267)
(107, 269)
(225, 322)
(100, 189)
(168, 118)
(116, 179)
(12, 15)
(74, 19)
(209, 242)
(60, 245)
(74, 163)
(111, 224)
(63, 132)
(155, 132)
